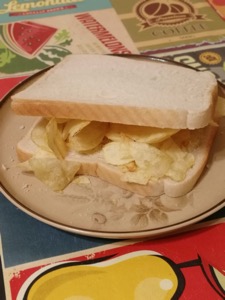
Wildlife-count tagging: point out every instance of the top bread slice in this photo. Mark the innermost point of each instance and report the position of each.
(121, 90)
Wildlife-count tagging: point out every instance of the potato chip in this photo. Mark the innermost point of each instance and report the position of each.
(172, 149)
(150, 135)
(154, 164)
(142, 153)
(55, 173)
(39, 135)
(188, 140)
(114, 133)
(117, 153)
(73, 127)
(140, 177)
(131, 167)
(25, 166)
(39, 153)
(149, 157)
(182, 160)
(89, 137)
(55, 140)
(180, 166)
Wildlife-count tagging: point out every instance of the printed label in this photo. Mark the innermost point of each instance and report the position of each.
(167, 24)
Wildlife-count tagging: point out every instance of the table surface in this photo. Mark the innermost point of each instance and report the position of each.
(30, 249)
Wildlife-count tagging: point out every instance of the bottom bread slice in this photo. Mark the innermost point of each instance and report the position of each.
(94, 165)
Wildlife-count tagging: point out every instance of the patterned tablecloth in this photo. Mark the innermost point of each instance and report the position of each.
(38, 261)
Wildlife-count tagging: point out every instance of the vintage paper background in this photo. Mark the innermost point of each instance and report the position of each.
(191, 32)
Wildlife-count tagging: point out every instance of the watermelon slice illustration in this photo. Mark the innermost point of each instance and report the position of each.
(27, 38)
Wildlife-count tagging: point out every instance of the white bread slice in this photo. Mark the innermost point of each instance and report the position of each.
(94, 165)
(121, 90)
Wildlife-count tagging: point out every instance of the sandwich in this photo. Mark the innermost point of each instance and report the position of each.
(142, 125)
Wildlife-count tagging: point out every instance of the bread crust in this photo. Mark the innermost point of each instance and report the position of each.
(177, 119)
(125, 113)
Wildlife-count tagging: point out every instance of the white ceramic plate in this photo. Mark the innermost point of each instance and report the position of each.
(100, 209)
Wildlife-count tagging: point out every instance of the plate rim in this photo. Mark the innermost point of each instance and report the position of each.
(156, 232)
